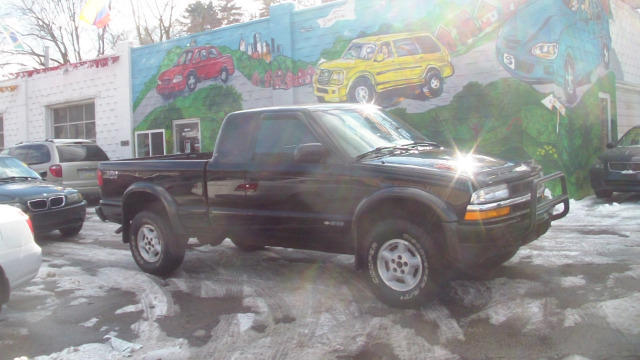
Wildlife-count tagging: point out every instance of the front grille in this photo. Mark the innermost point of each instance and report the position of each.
(324, 77)
(624, 166)
(44, 204)
(520, 188)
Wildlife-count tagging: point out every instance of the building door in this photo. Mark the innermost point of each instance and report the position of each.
(186, 135)
(150, 143)
(605, 120)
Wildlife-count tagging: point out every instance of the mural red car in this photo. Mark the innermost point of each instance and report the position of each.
(193, 66)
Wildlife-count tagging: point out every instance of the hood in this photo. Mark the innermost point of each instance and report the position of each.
(171, 73)
(28, 190)
(621, 154)
(543, 20)
(340, 64)
(483, 169)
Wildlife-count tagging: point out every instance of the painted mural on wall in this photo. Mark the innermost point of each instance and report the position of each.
(513, 78)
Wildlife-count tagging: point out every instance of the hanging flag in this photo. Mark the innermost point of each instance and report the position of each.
(95, 12)
(13, 37)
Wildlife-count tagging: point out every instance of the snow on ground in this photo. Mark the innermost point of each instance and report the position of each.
(289, 304)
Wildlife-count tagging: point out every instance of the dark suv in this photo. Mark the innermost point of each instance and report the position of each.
(69, 162)
(618, 168)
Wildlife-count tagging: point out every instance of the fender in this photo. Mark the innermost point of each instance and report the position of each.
(444, 212)
(156, 191)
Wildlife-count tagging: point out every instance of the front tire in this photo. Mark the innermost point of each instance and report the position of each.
(192, 82)
(362, 91)
(401, 262)
(224, 75)
(155, 248)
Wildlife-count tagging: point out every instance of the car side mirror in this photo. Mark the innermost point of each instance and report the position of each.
(379, 58)
(43, 174)
(611, 145)
(309, 153)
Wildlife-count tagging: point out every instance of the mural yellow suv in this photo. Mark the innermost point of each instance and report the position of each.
(374, 64)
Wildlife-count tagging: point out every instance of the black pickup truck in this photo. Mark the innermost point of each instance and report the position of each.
(348, 179)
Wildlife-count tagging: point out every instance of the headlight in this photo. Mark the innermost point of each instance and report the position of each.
(545, 50)
(177, 79)
(337, 78)
(74, 198)
(598, 164)
(490, 194)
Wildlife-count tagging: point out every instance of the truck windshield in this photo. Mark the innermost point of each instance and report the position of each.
(360, 51)
(363, 129)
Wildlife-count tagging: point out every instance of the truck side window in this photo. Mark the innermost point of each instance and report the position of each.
(428, 45)
(406, 47)
(278, 138)
(234, 148)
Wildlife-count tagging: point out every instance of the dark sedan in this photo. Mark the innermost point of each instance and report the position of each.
(49, 205)
(618, 169)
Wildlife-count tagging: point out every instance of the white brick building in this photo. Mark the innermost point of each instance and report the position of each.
(90, 99)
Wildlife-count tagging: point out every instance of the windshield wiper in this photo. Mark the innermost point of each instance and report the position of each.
(423, 143)
(11, 178)
(376, 151)
(406, 147)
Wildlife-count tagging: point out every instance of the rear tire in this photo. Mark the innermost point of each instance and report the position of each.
(603, 194)
(401, 263)
(433, 85)
(224, 75)
(154, 246)
(241, 243)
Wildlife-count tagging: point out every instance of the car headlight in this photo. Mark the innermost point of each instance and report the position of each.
(337, 78)
(177, 79)
(598, 164)
(545, 50)
(490, 194)
(74, 198)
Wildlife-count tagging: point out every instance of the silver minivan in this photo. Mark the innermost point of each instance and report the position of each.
(70, 162)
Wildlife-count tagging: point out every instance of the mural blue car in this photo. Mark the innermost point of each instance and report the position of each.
(556, 41)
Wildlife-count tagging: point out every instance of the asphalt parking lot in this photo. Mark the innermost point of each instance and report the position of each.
(572, 294)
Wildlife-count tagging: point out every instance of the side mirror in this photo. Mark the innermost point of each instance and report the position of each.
(611, 145)
(379, 57)
(309, 153)
(43, 174)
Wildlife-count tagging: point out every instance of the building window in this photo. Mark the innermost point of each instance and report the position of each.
(187, 136)
(75, 122)
(1, 132)
(149, 143)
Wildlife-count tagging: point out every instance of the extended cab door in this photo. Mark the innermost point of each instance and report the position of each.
(226, 172)
(300, 204)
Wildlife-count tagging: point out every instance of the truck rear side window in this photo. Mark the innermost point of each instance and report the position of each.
(278, 139)
(233, 148)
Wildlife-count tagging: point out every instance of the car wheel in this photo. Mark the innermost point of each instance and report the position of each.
(224, 75)
(362, 92)
(569, 86)
(321, 99)
(401, 262)
(603, 194)
(155, 248)
(192, 82)
(605, 56)
(166, 97)
(241, 243)
(71, 230)
(433, 85)
(4, 289)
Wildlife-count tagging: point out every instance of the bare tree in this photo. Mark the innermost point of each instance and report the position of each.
(54, 25)
(155, 21)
